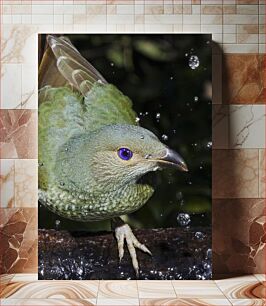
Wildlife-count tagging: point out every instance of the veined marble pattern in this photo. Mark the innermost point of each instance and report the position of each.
(26, 183)
(7, 182)
(18, 234)
(195, 289)
(235, 173)
(51, 289)
(18, 129)
(247, 126)
(19, 183)
(48, 302)
(239, 236)
(244, 287)
(17, 42)
(262, 170)
(243, 79)
(247, 290)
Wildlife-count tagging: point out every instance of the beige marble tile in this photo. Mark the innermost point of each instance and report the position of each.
(155, 289)
(51, 290)
(262, 171)
(211, 9)
(247, 126)
(17, 42)
(240, 48)
(26, 183)
(11, 86)
(260, 277)
(248, 302)
(18, 133)
(29, 84)
(238, 247)
(235, 173)
(183, 302)
(245, 287)
(18, 240)
(247, 9)
(7, 182)
(117, 302)
(48, 302)
(5, 279)
(196, 289)
(118, 289)
(25, 277)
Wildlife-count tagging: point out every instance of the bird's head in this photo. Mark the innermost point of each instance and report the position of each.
(116, 155)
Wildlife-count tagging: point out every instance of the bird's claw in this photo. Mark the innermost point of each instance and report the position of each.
(124, 232)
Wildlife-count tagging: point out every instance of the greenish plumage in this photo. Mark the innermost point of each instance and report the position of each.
(82, 125)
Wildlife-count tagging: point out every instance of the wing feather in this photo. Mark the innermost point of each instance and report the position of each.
(73, 66)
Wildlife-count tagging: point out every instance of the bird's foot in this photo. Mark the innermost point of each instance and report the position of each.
(124, 232)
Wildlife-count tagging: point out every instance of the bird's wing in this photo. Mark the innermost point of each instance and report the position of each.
(104, 104)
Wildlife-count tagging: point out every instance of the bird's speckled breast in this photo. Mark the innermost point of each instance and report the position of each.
(93, 207)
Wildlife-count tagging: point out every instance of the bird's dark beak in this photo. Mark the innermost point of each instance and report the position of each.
(172, 159)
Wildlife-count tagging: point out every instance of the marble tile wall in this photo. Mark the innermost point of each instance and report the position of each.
(238, 28)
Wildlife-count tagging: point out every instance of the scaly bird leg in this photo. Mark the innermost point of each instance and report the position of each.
(122, 232)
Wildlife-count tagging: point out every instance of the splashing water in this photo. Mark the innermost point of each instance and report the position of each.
(183, 219)
(199, 236)
(193, 62)
(164, 137)
(209, 144)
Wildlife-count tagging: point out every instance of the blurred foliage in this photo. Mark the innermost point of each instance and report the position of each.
(153, 71)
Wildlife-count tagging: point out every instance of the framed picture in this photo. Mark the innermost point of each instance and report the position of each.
(114, 110)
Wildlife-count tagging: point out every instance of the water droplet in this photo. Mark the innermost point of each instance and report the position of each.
(199, 236)
(57, 223)
(158, 116)
(201, 167)
(79, 271)
(66, 149)
(112, 64)
(137, 119)
(147, 113)
(209, 144)
(186, 54)
(171, 78)
(179, 195)
(193, 62)
(189, 183)
(209, 254)
(174, 131)
(183, 219)
(141, 137)
(164, 137)
(196, 99)
(161, 215)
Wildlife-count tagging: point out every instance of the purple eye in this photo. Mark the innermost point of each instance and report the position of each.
(125, 153)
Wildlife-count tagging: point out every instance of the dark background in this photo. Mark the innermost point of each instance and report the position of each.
(153, 70)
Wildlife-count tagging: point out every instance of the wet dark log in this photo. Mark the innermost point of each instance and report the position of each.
(177, 254)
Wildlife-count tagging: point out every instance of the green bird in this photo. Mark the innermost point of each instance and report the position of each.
(92, 151)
